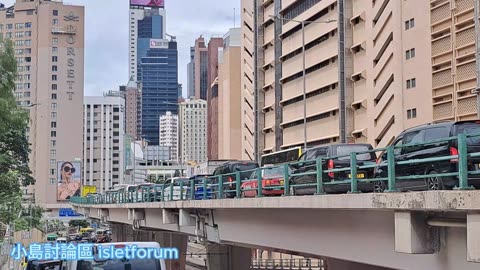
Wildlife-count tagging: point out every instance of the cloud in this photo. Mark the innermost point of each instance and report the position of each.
(106, 39)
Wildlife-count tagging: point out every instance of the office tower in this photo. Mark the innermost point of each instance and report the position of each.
(247, 79)
(201, 69)
(49, 48)
(169, 134)
(132, 111)
(212, 102)
(229, 97)
(367, 90)
(193, 131)
(154, 64)
(191, 74)
(103, 137)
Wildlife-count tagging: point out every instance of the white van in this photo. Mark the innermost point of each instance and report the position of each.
(136, 264)
(62, 240)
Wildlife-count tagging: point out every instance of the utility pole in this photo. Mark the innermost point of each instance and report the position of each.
(477, 52)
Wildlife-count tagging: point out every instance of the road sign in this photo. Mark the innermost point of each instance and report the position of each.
(67, 212)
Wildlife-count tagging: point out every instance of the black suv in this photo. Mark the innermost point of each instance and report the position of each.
(425, 133)
(244, 167)
(307, 164)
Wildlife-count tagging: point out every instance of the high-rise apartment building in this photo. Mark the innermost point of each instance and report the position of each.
(48, 37)
(201, 69)
(153, 63)
(133, 104)
(247, 79)
(453, 60)
(191, 74)
(103, 137)
(212, 102)
(229, 97)
(193, 131)
(169, 134)
(367, 90)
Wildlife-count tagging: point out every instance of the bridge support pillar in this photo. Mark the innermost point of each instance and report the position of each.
(170, 240)
(473, 237)
(220, 257)
(413, 235)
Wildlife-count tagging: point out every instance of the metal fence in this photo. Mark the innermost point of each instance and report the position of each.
(232, 185)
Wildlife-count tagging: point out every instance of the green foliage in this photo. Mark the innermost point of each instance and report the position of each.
(76, 223)
(14, 147)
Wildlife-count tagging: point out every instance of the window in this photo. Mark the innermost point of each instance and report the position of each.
(28, 33)
(55, 22)
(409, 24)
(53, 143)
(52, 181)
(54, 59)
(436, 133)
(54, 49)
(54, 96)
(53, 153)
(54, 68)
(18, 34)
(54, 77)
(412, 83)
(55, 41)
(411, 113)
(53, 134)
(28, 59)
(26, 86)
(414, 137)
(54, 106)
(410, 53)
(26, 94)
(53, 115)
(53, 124)
(28, 42)
(54, 87)
(55, 12)
(10, 26)
(27, 68)
(19, 25)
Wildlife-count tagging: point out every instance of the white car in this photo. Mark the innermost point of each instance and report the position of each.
(173, 187)
(143, 264)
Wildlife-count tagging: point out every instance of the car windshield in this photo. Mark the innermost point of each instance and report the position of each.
(273, 172)
(150, 264)
(345, 150)
(470, 128)
(245, 167)
(132, 188)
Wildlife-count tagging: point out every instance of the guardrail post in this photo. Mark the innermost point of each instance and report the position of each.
(463, 163)
(319, 166)
(192, 189)
(391, 168)
(353, 172)
(259, 183)
(163, 193)
(171, 191)
(205, 188)
(238, 183)
(220, 187)
(286, 177)
(181, 190)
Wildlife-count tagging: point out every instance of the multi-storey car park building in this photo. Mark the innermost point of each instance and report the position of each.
(48, 37)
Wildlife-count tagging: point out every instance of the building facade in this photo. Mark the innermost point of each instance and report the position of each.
(103, 137)
(229, 97)
(191, 74)
(169, 135)
(133, 102)
(48, 38)
(201, 69)
(212, 96)
(247, 79)
(368, 90)
(193, 131)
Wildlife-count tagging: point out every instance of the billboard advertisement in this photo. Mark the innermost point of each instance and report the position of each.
(158, 44)
(148, 3)
(68, 180)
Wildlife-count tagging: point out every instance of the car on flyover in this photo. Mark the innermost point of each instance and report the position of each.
(414, 140)
(273, 181)
(228, 171)
(336, 156)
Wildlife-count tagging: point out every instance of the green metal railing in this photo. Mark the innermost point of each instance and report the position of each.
(314, 176)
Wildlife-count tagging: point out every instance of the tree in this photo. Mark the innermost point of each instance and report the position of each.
(76, 223)
(14, 147)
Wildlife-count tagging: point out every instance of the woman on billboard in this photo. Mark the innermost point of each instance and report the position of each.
(155, 3)
(68, 186)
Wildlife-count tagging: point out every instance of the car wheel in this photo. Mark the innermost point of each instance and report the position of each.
(434, 182)
(379, 187)
(292, 191)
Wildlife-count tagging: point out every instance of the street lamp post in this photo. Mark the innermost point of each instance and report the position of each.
(304, 73)
(477, 53)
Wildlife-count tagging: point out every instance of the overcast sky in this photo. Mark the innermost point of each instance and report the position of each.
(106, 44)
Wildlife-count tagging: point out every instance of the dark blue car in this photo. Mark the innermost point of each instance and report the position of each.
(199, 193)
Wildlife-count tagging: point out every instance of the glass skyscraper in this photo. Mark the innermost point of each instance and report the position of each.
(154, 63)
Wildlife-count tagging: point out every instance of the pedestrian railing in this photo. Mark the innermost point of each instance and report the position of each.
(287, 264)
(320, 176)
